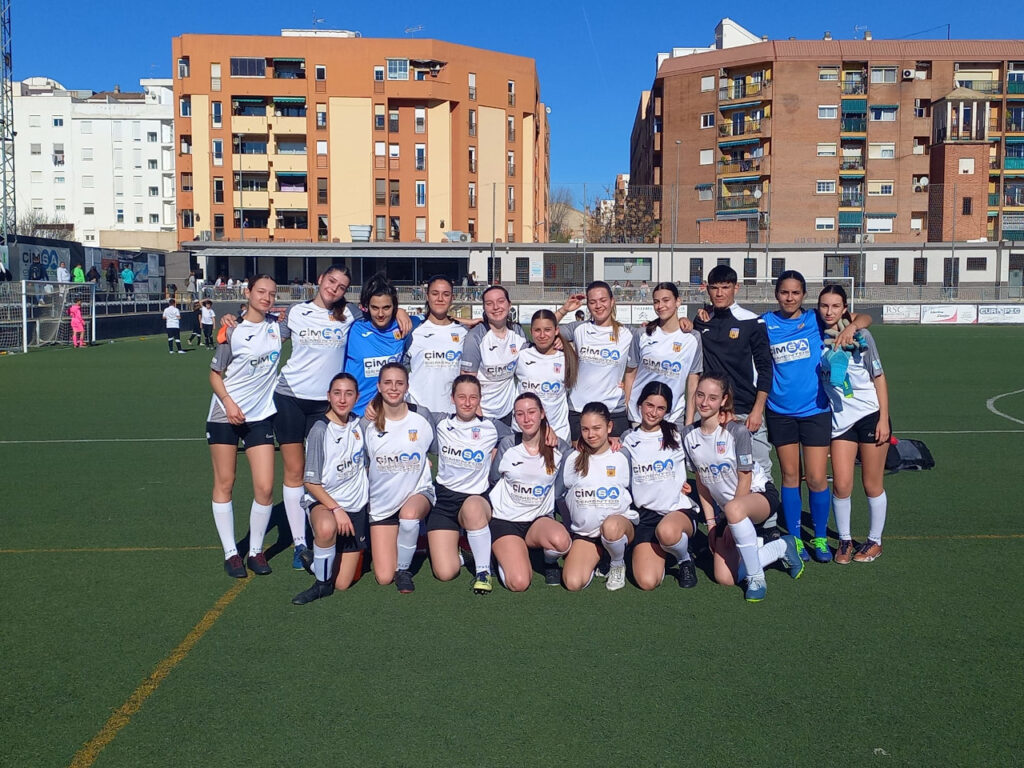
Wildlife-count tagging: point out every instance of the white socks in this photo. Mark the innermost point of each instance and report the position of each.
(408, 535)
(551, 556)
(323, 562)
(681, 549)
(480, 544)
(745, 536)
(841, 509)
(770, 552)
(616, 550)
(224, 519)
(876, 516)
(296, 515)
(259, 519)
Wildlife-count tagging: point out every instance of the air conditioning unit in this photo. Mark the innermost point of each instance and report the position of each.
(918, 188)
(865, 238)
(463, 238)
(909, 74)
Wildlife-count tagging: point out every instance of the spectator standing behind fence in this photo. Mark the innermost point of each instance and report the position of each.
(37, 271)
(63, 275)
(190, 286)
(77, 274)
(94, 275)
(111, 277)
(128, 278)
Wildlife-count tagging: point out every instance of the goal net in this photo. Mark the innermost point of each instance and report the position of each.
(35, 314)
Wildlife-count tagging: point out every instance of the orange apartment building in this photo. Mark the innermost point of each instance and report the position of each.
(836, 141)
(323, 135)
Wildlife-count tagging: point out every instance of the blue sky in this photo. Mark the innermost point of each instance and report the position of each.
(593, 58)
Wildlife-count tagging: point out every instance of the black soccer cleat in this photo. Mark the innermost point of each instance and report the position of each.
(318, 590)
(258, 564)
(403, 582)
(235, 568)
(687, 575)
(553, 575)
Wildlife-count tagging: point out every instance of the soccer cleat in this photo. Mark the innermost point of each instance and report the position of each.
(182, 352)
(482, 584)
(616, 577)
(756, 589)
(687, 575)
(235, 568)
(844, 553)
(791, 560)
(403, 582)
(302, 559)
(820, 551)
(553, 574)
(802, 550)
(258, 564)
(170, 352)
(318, 590)
(869, 550)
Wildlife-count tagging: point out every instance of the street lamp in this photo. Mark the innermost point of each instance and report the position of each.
(675, 221)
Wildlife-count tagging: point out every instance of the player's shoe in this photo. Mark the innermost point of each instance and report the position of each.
(844, 552)
(756, 589)
(302, 559)
(318, 590)
(820, 551)
(403, 582)
(482, 584)
(800, 548)
(552, 574)
(182, 352)
(869, 550)
(235, 568)
(687, 574)
(791, 560)
(258, 564)
(616, 577)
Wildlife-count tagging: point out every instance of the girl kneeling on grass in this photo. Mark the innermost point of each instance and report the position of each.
(337, 491)
(598, 499)
(243, 376)
(728, 476)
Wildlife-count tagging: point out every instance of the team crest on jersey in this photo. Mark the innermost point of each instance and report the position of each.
(475, 431)
(558, 367)
(412, 435)
(677, 346)
(455, 338)
(610, 471)
(720, 447)
(512, 348)
(356, 435)
(397, 334)
(734, 333)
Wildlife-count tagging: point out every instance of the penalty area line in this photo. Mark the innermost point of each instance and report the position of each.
(991, 405)
(87, 755)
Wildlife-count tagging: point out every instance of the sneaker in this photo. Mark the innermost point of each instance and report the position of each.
(403, 582)
(802, 550)
(235, 568)
(482, 584)
(792, 560)
(616, 577)
(170, 352)
(820, 551)
(318, 590)
(182, 352)
(844, 553)
(869, 550)
(687, 575)
(302, 559)
(553, 574)
(756, 589)
(258, 564)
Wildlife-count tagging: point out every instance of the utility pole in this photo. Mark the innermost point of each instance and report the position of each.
(8, 207)
(494, 231)
(675, 221)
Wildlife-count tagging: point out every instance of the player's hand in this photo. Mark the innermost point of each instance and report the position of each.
(551, 438)
(404, 323)
(687, 488)
(370, 413)
(558, 343)
(702, 314)
(615, 444)
(468, 322)
(845, 337)
(686, 324)
(574, 302)
(234, 413)
(345, 527)
(754, 421)
(882, 432)
(228, 321)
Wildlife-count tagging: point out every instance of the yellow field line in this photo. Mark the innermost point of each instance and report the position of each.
(87, 755)
(76, 550)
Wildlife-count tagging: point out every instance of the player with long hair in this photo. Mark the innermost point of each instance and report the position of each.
(491, 353)
(548, 372)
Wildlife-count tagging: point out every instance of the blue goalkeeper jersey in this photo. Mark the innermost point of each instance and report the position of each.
(797, 388)
(369, 349)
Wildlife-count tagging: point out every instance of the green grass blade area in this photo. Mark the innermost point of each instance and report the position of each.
(109, 558)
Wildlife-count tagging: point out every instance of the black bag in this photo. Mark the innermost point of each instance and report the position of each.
(908, 454)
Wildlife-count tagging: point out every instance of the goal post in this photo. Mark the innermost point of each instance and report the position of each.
(35, 313)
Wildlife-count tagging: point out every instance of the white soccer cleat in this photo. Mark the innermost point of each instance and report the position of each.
(616, 578)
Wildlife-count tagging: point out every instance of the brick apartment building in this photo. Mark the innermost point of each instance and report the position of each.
(835, 141)
(323, 135)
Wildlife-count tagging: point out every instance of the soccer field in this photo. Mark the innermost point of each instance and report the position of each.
(124, 644)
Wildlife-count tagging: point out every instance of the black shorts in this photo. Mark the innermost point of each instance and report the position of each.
(444, 516)
(812, 431)
(649, 519)
(620, 423)
(863, 430)
(251, 433)
(360, 523)
(389, 520)
(501, 528)
(295, 417)
(770, 493)
(174, 333)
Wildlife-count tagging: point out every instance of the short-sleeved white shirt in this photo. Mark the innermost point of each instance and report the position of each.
(318, 350)
(544, 376)
(248, 360)
(603, 491)
(336, 459)
(603, 363)
(669, 358)
(434, 359)
(398, 463)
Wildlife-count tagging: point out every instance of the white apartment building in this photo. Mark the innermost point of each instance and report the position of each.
(97, 161)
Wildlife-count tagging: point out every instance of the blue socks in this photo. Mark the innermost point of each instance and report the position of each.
(791, 509)
(820, 502)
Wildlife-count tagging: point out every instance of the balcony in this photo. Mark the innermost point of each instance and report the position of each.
(1014, 196)
(981, 86)
(284, 124)
(511, 169)
(1013, 163)
(744, 90)
(851, 200)
(853, 87)
(58, 159)
(472, 93)
(250, 162)
(472, 201)
(849, 235)
(511, 134)
(248, 124)
(245, 199)
(290, 200)
(854, 125)
(851, 164)
(993, 199)
(1015, 86)
(757, 165)
(1015, 125)
(747, 127)
(734, 197)
(511, 99)
(287, 162)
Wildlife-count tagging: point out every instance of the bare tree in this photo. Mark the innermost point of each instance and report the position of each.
(619, 217)
(560, 209)
(39, 224)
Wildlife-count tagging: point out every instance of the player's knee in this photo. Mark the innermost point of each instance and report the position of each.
(575, 582)
(647, 581)
(444, 573)
(614, 527)
(733, 512)
(325, 530)
(517, 582)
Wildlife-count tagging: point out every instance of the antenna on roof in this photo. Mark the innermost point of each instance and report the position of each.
(857, 29)
(316, 20)
(410, 31)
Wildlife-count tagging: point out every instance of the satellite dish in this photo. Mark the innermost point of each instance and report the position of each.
(547, 110)
(923, 181)
(757, 194)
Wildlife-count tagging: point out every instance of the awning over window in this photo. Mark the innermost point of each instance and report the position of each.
(704, 186)
(739, 142)
(289, 99)
(881, 215)
(850, 218)
(735, 179)
(249, 99)
(291, 174)
(885, 106)
(855, 106)
(288, 58)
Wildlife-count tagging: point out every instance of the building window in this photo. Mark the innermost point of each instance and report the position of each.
(378, 76)
(922, 107)
(917, 221)
(186, 181)
(472, 159)
(321, 191)
(828, 73)
(707, 83)
(921, 271)
(154, 218)
(511, 128)
(472, 86)
(183, 68)
(883, 74)
(217, 115)
(88, 181)
(394, 192)
(825, 187)
(880, 188)
(707, 156)
(321, 115)
(58, 121)
(880, 224)
(320, 72)
(826, 150)
(421, 120)
(398, 69)
(883, 114)
(696, 271)
(511, 198)
(380, 192)
(151, 164)
(393, 150)
(185, 106)
(218, 190)
(510, 159)
(119, 216)
(378, 117)
(37, 149)
(510, 232)
(778, 267)
(892, 271)
(705, 193)
(828, 111)
(421, 194)
(707, 120)
(86, 125)
(823, 223)
(392, 121)
(421, 228)
(395, 224)
(472, 194)
(155, 191)
(511, 93)
(882, 150)
(88, 209)
(749, 267)
(472, 122)
(321, 147)
(218, 152)
(471, 228)
(967, 206)
(248, 67)
(421, 157)
(977, 263)
(381, 228)
(58, 179)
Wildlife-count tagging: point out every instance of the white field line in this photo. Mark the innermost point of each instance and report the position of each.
(105, 440)
(991, 405)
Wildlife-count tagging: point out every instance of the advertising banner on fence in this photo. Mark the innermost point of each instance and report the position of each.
(949, 314)
(1001, 313)
(901, 313)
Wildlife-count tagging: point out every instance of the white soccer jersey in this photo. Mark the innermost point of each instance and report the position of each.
(208, 316)
(523, 490)
(248, 360)
(602, 492)
(463, 450)
(399, 466)
(172, 317)
(717, 457)
(657, 474)
(493, 359)
(336, 459)
(669, 358)
(849, 407)
(434, 358)
(603, 363)
(544, 376)
(318, 350)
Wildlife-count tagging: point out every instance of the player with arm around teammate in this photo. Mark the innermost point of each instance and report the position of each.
(243, 375)
(728, 476)
(548, 372)
(401, 491)
(434, 353)
(658, 469)
(337, 491)
(491, 352)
